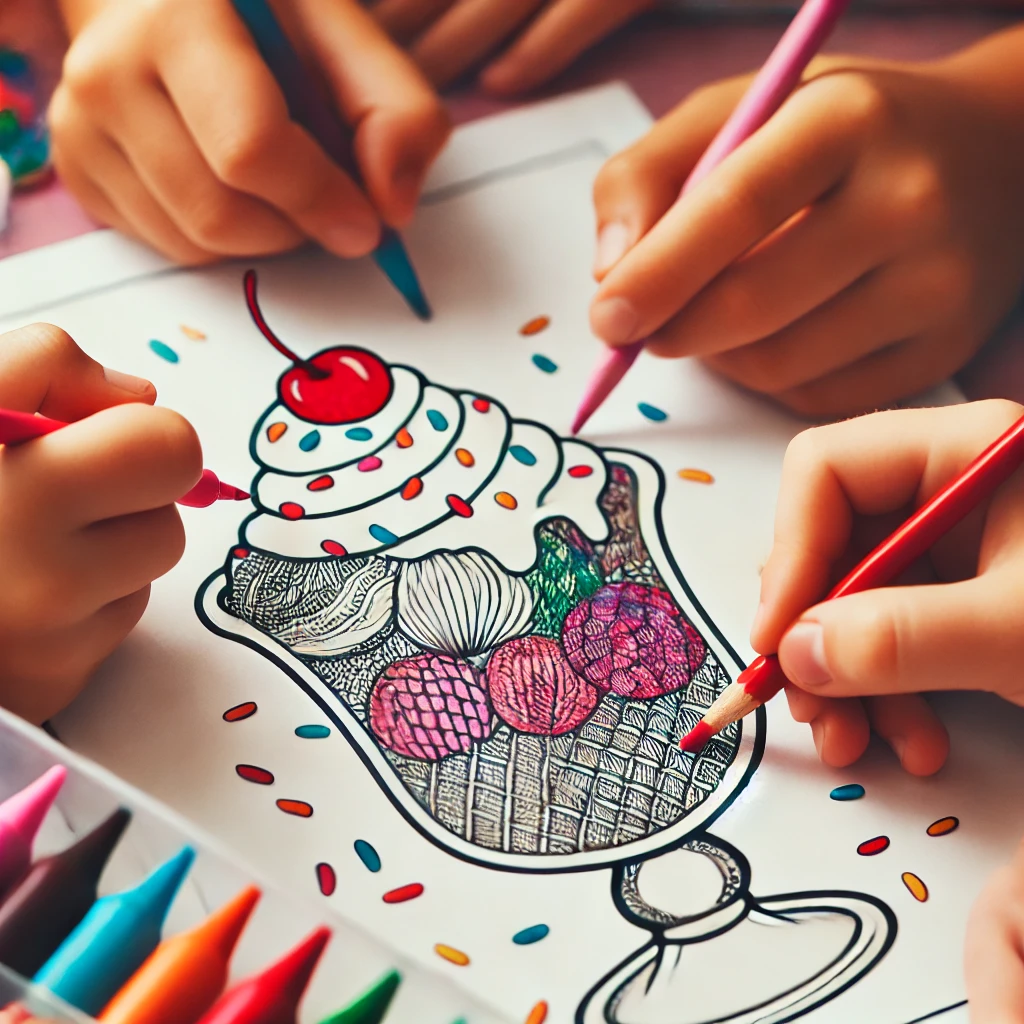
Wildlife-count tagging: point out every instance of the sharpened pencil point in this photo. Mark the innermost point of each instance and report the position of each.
(696, 739)
(392, 258)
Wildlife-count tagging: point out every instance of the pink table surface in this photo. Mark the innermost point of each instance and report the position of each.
(662, 57)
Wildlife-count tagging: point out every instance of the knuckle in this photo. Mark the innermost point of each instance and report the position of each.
(87, 72)
(211, 223)
(45, 342)
(859, 99)
(918, 196)
(620, 176)
(807, 449)
(237, 157)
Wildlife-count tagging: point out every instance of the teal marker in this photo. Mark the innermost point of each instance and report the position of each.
(113, 939)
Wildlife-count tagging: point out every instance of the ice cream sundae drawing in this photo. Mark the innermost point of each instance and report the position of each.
(491, 616)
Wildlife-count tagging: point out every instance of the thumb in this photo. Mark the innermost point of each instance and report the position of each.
(957, 636)
(43, 370)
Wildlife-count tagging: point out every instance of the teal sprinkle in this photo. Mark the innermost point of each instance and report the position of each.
(523, 455)
(652, 412)
(378, 532)
(367, 854)
(359, 434)
(312, 732)
(310, 441)
(164, 351)
(543, 363)
(534, 933)
(852, 791)
(437, 419)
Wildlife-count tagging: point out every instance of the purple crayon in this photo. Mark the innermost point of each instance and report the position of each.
(20, 818)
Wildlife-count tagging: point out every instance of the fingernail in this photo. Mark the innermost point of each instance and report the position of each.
(805, 655)
(759, 617)
(126, 382)
(614, 320)
(818, 735)
(612, 243)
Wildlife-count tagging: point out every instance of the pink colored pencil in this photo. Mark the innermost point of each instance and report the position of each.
(774, 82)
(19, 427)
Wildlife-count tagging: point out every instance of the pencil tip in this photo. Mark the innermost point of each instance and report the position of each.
(392, 258)
(579, 421)
(697, 738)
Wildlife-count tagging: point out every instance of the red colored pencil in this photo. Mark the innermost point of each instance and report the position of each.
(763, 678)
(19, 427)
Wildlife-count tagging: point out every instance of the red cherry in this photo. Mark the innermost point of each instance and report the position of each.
(337, 385)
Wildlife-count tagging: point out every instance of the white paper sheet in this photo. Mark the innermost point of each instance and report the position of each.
(505, 236)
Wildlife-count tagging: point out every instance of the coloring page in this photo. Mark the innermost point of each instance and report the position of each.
(437, 666)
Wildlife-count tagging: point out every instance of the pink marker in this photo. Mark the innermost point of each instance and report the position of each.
(20, 818)
(774, 82)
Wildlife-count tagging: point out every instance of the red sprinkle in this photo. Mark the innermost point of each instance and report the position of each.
(292, 511)
(580, 471)
(403, 893)
(481, 405)
(870, 847)
(332, 547)
(326, 878)
(297, 807)
(458, 506)
(412, 487)
(252, 773)
(241, 552)
(240, 711)
(321, 483)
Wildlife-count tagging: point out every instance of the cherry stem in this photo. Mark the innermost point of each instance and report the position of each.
(316, 372)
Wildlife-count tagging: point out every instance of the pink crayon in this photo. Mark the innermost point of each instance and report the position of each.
(20, 818)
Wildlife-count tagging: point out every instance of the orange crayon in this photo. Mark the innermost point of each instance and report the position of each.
(186, 973)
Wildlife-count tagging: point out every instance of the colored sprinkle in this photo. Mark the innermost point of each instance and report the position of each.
(534, 326)
(332, 547)
(240, 552)
(192, 334)
(378, 533)
(251, 773)
(538, 1014)
(290, 510)
(310, 441)
(458, 506)
(276, 431)
(481, 405)
(523, 455)
(530, 935)
(240, 712)
(697, 476)
(321, 483)
(943, 826)
(326, 878)
(164, 351)
(851, 791)
(437, 419)
(403, 438)
(580, 471)
(359, 434)
(297, 807)
(369, 464)
(871, 847)
(917, 888)
(413, 486)
(543, 363)
(312, 732)
(453, 956)
(652, 412)
(403, 893)
(368, 855)
(506, 500)
(465, 458)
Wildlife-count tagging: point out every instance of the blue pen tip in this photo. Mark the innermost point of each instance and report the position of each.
(392, 258)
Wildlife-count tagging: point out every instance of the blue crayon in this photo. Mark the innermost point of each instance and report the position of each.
(113, 939)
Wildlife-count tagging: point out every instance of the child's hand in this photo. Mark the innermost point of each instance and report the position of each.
(87, 518)
(862, 661)
(856, 250)
(537, 39)
(168, 125)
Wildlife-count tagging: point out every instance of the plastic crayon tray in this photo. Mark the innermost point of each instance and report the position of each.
(352, 962)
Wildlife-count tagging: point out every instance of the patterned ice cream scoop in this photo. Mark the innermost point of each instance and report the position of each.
(430, 706)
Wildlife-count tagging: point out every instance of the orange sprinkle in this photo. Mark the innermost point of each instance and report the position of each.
(917, 888)
(192, 333)
(412, 487)
(534, 326)
(698, 476)
(505, 500)
(297, 807)
(538, 1014)
(403, 438)
(943, 826)
(453, 956)
(276, 431)
(464, 457)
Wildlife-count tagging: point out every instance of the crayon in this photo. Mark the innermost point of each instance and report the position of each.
(372, 1006)
(54, 895)
(20, 818)
(113, 939)
(186, 973)
(273, 996)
